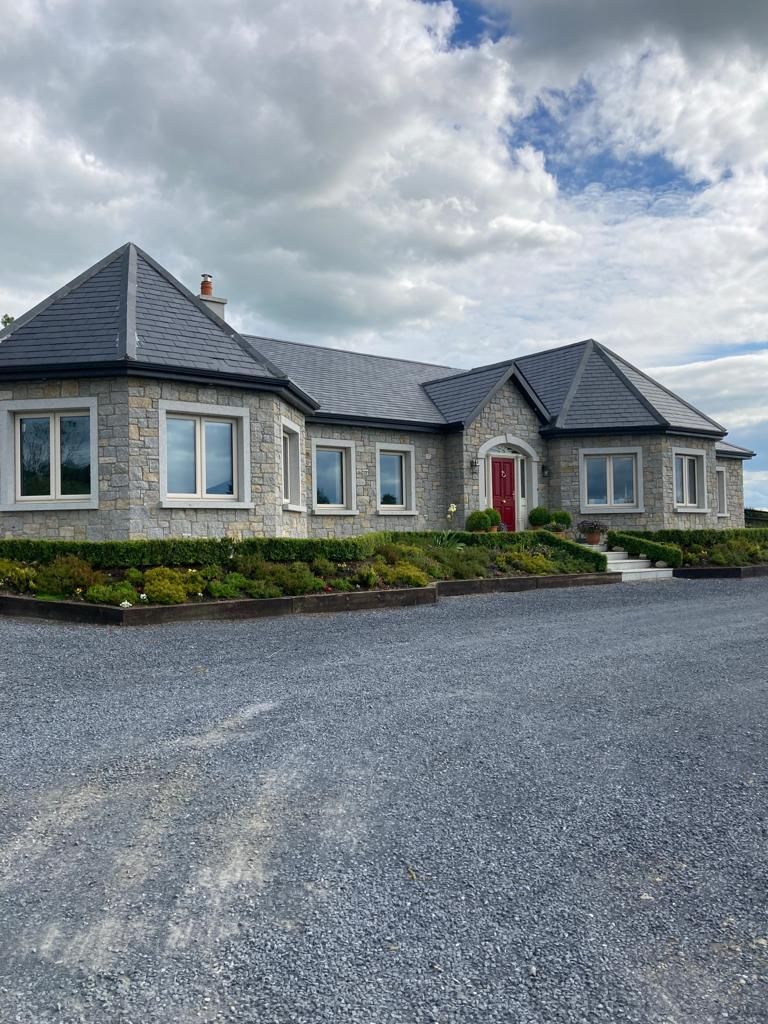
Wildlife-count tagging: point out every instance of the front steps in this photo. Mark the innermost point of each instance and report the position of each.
(633, 570)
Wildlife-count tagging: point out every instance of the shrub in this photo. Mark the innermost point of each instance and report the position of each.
(465, 563)
(527, 562)
(644, 548)
(738, 552)
(323, 567)
(494, 517)
(367, 577)
(405, 574)
(67, 575)
(14, 576)
(165, 586)
(135, 577)
(260, 589)
(112, 593)
(341, 584)
(559, 517)
(477, 521)
(232, 586)
(296, 578)
(538, 516)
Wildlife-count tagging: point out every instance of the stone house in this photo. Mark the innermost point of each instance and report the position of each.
(130, 408)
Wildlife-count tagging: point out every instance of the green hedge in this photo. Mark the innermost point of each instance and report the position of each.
(646, 548)
(702, 538)
(523, 538)
(125, 554)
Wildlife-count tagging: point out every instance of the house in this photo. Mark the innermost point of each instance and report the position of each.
(130, 408)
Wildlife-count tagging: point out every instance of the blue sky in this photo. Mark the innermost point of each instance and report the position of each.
(459, 182)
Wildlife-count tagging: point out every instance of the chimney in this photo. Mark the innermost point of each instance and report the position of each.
(206, 294)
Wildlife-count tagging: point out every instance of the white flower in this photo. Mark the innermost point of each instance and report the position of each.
(143, 597)
(126, 604)
(199, 594)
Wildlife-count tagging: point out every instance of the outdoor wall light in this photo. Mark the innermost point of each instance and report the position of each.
(545, 472)
(474, 465)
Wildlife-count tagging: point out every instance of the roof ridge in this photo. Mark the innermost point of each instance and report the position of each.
(565, 408)
(605, 354)
(472, 369)
(127, 340)
(62, 292)
(556, 348)
(349, 352)
(666, 390)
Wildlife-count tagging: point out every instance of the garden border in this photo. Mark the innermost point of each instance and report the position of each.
(720, 572)
(248, 608)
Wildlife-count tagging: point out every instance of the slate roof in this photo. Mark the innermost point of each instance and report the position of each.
(128, 314)
(355, 384)
(726, 450)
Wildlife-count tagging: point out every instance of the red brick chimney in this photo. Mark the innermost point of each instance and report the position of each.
(211, 301)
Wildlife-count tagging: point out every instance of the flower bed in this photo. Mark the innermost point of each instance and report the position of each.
(715, 548)
(130, 574)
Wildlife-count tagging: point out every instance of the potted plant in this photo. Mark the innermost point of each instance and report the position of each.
(494, 519)
(478, 521)
(538, 517)
(592, 530)
(559, 520)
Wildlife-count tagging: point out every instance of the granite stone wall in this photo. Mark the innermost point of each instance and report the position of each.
(734, 493)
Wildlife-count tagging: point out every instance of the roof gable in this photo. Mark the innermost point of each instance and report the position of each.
(461, 396)
(551, 373)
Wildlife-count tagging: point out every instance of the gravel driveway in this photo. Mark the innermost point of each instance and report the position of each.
(519, 808)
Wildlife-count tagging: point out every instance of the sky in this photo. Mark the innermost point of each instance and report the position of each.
(455, 182)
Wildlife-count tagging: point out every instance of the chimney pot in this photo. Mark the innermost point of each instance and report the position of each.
(206, 285)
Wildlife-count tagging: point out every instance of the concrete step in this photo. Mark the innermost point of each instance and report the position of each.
(645, 575)
(627, 564)
(616, 556)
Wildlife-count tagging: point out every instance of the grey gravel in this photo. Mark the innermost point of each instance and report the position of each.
(544, 807)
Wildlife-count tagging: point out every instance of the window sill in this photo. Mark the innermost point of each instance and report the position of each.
(202, 503)
(384, 511)
(691, 510)
(334, 511)
(288, 507)
(51, 506)
(722, 515)
(612, 510)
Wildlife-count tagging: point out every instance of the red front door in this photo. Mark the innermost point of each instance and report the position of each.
(503, 482)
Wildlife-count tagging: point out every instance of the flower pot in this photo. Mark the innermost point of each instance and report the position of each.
(494, 529)
(593, 537)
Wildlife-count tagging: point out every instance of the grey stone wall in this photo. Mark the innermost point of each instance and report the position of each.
(734, 492)
(431, 502)
(111, 520)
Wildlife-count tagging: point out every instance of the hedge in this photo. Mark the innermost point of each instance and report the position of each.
(705, 538)
(126, 554)
(646, 548)
(596, 559)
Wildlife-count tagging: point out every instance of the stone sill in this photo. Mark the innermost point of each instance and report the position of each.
(92, 504)
(200, 503)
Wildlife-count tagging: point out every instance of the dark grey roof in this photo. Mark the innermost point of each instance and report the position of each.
(726, 450)
(586, 387)
(128, 312)
(460, 396)
(358, 385)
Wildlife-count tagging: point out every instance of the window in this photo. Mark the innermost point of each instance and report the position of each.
(722, 497)
(690, 489)
(611, 480)
(204, 455)
(201, 457)
(521, 481)
(333, 470)
(48, 454)
(291, 466)
(395, 481)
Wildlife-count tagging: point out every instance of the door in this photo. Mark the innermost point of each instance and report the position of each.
(503, 478)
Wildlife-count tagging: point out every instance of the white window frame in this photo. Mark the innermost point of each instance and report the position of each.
(722, 474)
(702, 505)
(291, 433)
(610, 507)
(240, 417)
(408, 452)
(10, 414)
(349, 479)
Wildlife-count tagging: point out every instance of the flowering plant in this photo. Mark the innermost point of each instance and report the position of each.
(451, 511)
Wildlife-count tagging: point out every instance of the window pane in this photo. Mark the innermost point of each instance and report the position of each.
(329, 466)
(692, 481)
(286, 468)
(597, 480)
(623, 479)
(219, 458)
(679, 480)
(182, 467)
(721, 492)
(75, 448)
(35, 456)
(391, 479)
